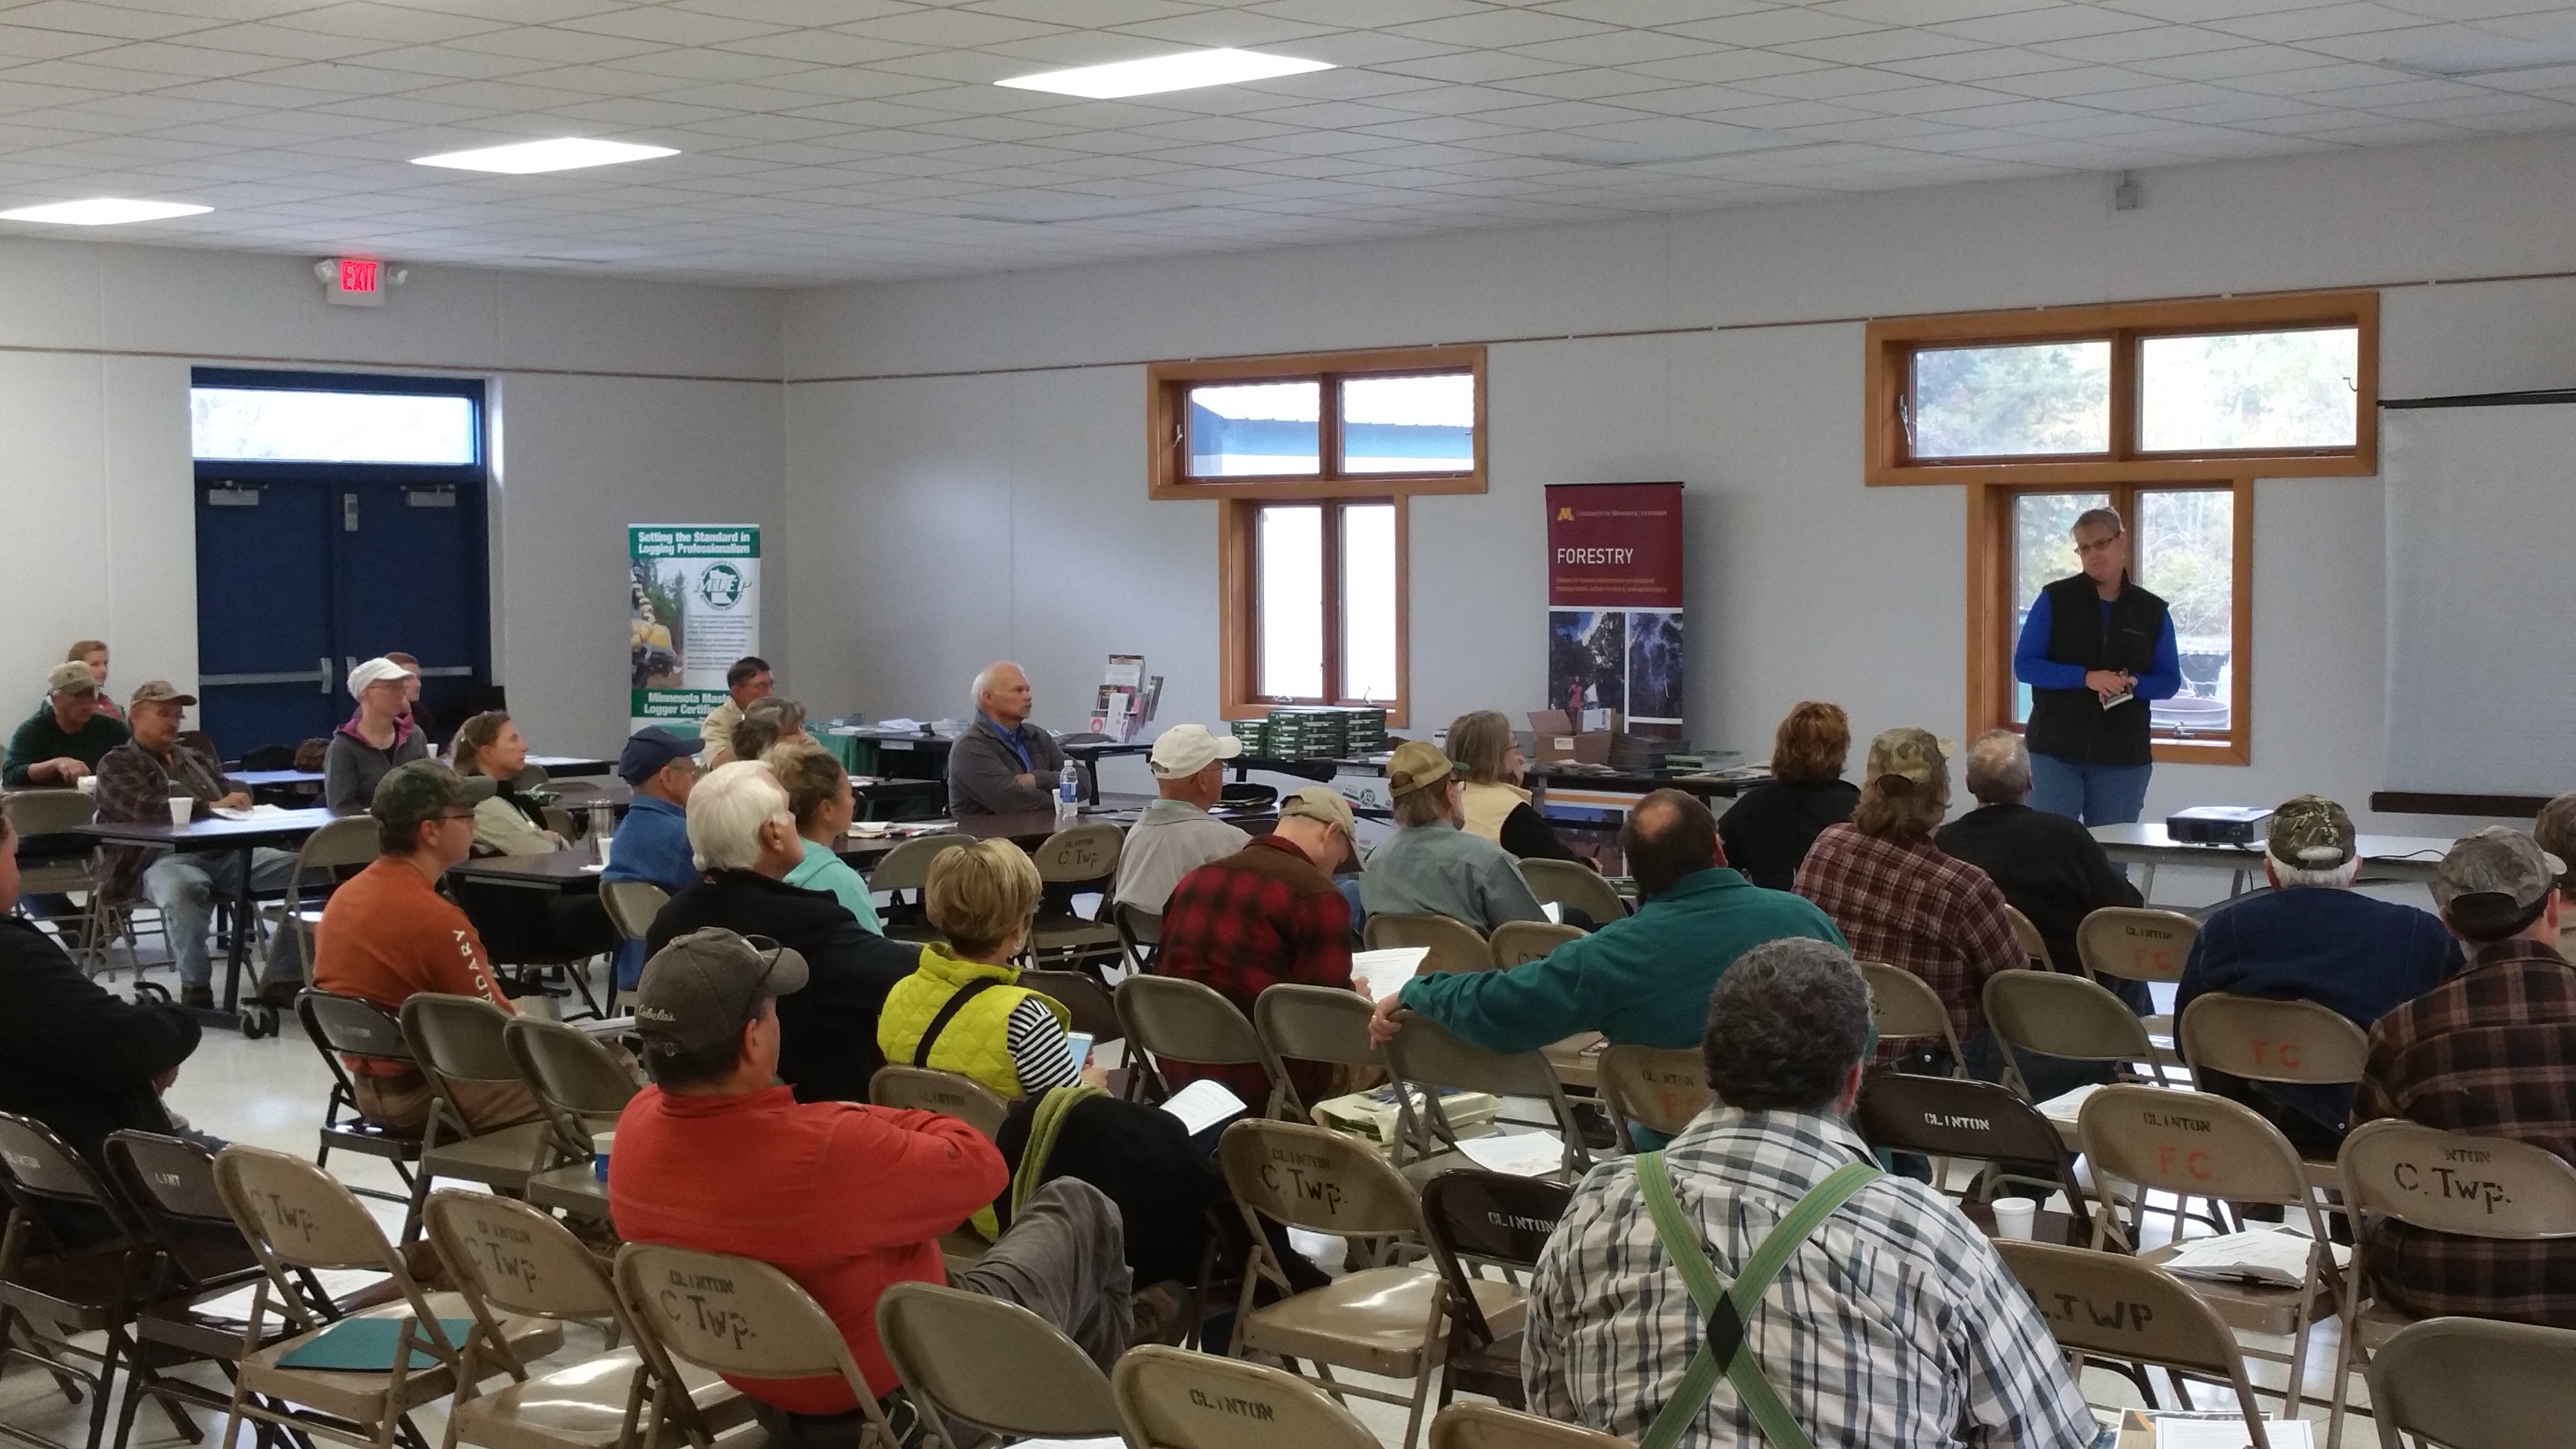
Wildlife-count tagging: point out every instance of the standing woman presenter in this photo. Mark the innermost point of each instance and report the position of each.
(2095, 650)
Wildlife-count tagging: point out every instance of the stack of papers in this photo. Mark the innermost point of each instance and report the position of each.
(1203, 1104)
(2274, 1256)
(900, 726)
(1522, 1154)
(2065, 1107)
(255, 812)
(2180, 1429)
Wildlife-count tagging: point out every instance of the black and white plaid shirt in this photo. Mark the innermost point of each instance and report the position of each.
(1895, 1326)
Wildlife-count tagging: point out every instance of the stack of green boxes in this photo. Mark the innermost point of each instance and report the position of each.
(1365, 732)
(1308, 733)
(1255, 734)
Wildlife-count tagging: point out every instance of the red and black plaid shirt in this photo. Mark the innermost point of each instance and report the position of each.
(1260, 916)
(1918, 910)
(2492, 1051)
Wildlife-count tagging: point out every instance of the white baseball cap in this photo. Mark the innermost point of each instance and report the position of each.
(373, 671)
(1184, 750)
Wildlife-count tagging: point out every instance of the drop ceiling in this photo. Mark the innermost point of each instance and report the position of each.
(844, 140)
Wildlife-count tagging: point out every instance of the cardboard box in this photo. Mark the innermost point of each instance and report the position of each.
(1551, 736)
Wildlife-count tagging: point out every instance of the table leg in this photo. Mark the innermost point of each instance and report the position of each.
(243, 924)
(2147, 882)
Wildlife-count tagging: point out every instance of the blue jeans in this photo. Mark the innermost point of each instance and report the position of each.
(2092, 794)
(187, 888)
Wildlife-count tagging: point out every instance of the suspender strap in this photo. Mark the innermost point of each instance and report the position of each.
(1724, 1308)
(948, 1010)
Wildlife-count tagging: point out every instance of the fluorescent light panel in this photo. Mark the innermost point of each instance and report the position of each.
(1186, 71)
(527, 158)
(103, 211)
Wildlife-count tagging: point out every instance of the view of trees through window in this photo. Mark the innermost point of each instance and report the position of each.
(2001, 402)
(2183, 543)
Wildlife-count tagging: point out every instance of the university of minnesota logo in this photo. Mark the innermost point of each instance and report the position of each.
(1565, 515)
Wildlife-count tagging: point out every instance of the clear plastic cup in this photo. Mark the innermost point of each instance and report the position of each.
(2013, 1217)
(182, 808)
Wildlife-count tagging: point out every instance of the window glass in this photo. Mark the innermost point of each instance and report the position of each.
(249, 424)
(1368, 602)
(1252, 429)
(2043, 553)
(2186, 554)
(1290, 581)
(1409, 424)
(2002, 402)
(2238, 390)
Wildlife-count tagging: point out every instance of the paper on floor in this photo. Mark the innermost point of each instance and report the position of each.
(1522, 1154)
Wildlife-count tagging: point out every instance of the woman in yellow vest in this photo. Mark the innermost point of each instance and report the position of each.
(963, 1010)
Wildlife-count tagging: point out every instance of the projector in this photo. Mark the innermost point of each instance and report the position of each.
(2217, 824)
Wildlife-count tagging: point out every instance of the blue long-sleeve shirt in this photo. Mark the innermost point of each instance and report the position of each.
(2032, 666)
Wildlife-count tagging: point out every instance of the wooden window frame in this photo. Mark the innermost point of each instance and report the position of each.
(1239, 500)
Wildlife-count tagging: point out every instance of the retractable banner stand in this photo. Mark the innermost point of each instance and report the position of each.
(1614, 604)
(692, 609)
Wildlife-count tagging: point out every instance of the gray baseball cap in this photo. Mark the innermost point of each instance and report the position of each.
(2494, 882)
(701, 989)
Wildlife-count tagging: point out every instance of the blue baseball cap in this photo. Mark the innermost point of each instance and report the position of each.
(648, 750)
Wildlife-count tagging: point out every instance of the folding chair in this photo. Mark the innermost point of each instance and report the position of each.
(2122, 1308)
(1477, 1217)
(1171, 1398)
(1424, 1056)
(2033, 944)
(1572, 883)
(1188, 1021)
(1140, 931)
(1658, 1088)
(2192, 1144)
(581, 1087)
(901, 875)
(295, 1215)
(1384, 1321)
(2396, 1170)
(1518, 941)
(2474, 1383)
(461, 1040)
(1327, 1024)
(1489, 1426)
(1075, 860)
(2273, 1041)
(1084, 1000)
(352, 1026)
(511, 1260)
(951, 1094)
(52, 1294)
(35, 813)
(1905, 1008)
(632, 905)
(2049, 1013)
(1454, 945)
(993, 1364)
(741, 1318)
(1945, 1117)
(318, 861)
(2139, 944)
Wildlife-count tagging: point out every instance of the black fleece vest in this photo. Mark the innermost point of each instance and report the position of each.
(2070, 724)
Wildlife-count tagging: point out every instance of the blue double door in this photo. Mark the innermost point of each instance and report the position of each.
(301, 578)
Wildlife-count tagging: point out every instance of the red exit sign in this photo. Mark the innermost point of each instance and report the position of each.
(352, 281)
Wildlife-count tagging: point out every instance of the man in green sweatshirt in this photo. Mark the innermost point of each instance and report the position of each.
(1644, 980)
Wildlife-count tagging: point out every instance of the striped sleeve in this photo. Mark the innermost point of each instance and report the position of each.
(1039, 1051)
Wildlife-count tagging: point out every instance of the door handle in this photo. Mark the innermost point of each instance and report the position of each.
(325, 661)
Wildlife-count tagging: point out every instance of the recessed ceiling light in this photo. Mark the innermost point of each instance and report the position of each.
(1186, 71)
(530, 157)
(103, 211)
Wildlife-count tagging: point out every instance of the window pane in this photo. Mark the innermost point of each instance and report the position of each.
(2186, 552)
(2004, 402)
(2249, 390)
(2043, 552)
(1249, 429)
(1368, 602)
(1409, 424)
(1290, 579)
(249, 423)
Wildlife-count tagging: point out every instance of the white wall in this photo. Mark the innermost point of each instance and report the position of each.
(941, 521)
(96, 342)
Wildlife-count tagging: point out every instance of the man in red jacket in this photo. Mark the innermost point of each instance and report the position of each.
(846, 1198)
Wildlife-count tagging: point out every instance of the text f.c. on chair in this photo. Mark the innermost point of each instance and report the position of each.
(2139, 943)
(2115, 1307)
(2298, 1042)
(741, 1318)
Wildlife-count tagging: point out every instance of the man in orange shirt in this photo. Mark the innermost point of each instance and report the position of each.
(387, 933)
(845, 1198)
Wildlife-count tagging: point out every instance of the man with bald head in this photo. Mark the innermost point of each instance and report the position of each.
(1004, 764)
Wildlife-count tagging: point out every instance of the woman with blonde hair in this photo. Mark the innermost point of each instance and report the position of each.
(984, 899)
(1490, 797)
(818, 793)
(1770, 827)
(508, 823)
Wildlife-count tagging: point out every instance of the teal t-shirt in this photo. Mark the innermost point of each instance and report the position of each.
(821, 870)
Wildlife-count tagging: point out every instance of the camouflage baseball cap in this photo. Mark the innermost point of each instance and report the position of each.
(412, 793)
(1908, 753)
(71, 677)
(2494, 882)
(2310, 833)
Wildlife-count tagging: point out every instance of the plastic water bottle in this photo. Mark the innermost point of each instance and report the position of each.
(1068, 792)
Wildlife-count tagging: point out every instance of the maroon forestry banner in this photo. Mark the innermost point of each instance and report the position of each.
(1614, 601)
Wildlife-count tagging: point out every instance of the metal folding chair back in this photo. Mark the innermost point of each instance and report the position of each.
(579, 1084)
(2026, 932)
(1140, 931)
(47, 812)
(462, 1040)
(352, 1026)
(2452, 1182)
(2474, 1383)
(1572, 883)
(2055, 1014)
(1170, 1398)
(1490, 1426)
(907, 866)
(1454, 945)
(2191, 1144)
(1084, 999)
(2119, 1307)
(2136, 943)
(1518, 941)
(993, 1364)
(1658, 1087)
(351, 841)
(51, 1302)
(1312, 1178)
(510, 1257)
(632, 905)
(1906, 1007)
(2271, 1041)
(1304, 1023)
(928, 1089)
(1425, 1054)
(739, 1317)
(1954, 1117)
(1085, 854)
(1478, 1217)
(1189, 1021)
